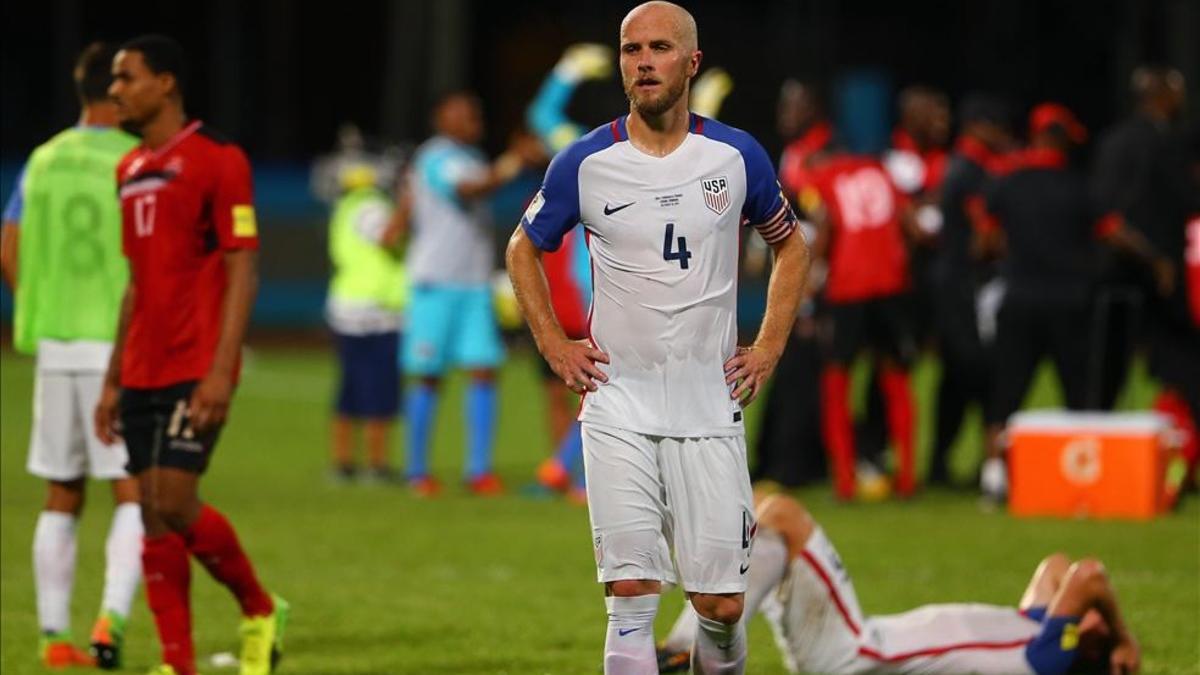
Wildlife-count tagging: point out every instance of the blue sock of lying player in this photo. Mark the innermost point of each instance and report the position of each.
(481, 429)
(422, 401)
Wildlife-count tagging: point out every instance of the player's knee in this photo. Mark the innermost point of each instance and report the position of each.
(66, 496)
(725, 608)
(1088, 570)
(125, 491)
(628, 588)
(1086, 578)
(1055, 565)
(788, 517)
(176, 514)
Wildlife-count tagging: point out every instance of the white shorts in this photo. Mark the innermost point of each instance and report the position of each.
(648, 495)
(817, 622)
(62, 444)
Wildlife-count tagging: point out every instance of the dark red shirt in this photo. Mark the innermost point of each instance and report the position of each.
(867, 254)
(182, 205)
(795, 165)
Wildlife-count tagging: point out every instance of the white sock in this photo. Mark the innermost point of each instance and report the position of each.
(683, 633)
(768, 565)
(720, 648)
(123, 559)
(629, 644)
(54, 569)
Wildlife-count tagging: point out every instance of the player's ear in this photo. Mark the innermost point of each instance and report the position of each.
(169, 83)
(697, 56)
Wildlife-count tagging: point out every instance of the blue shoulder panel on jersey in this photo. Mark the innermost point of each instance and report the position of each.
(16, 200)
(763, 197)
(1052, 651)
(555, 209)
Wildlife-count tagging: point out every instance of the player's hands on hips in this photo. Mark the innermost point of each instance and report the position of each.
(210, 401)
(750, 369)
(106, 418)
(1126, 657)
(575, 362)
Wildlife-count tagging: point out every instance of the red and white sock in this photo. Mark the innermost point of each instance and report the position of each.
(213, 542)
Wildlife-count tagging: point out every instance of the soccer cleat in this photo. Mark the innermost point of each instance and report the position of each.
(871, 484)
(343, 473)
(58, 652)
(107, 636)
(262, 639)
(164, 669)
(486, 485)
(424, 486)
(383, 475)
(553, 475)
(672, 661)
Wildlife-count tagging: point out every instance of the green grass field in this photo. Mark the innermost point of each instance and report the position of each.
(381, 582)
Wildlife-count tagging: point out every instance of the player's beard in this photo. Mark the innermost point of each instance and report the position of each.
(656, 106)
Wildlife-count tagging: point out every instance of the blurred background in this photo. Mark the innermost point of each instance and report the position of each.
(281, 77)
(303, 86)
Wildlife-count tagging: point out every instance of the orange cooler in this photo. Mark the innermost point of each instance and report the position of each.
(1106, 465)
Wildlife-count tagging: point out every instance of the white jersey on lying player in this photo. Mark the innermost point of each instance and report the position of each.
(820, 628)
(663, 234)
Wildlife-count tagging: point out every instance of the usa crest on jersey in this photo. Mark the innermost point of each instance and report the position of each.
(716, 194)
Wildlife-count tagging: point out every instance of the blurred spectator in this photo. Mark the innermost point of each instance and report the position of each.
(801, 121)
(788, 450)
(1142, 171)
(366, 295)
(325, 178)
(960, 278)
(568, 270)
(450, 259)
(916, 163)
(861, 222)
(1049, 229)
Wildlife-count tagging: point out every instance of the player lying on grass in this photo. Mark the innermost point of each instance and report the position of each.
(1067, 620)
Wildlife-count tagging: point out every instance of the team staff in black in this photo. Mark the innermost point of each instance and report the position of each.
(1050, 231)
(1142, 171)
(958, 274)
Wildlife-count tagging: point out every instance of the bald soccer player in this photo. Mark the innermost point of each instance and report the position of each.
(663, 194)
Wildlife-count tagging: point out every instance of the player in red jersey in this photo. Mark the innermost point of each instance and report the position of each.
(861, 235)
(190, 236)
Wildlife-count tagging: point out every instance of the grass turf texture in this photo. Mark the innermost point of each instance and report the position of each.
(381, 582)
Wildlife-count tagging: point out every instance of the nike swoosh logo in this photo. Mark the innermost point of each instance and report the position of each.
(626, 631)
(743, 569)
(609, 210)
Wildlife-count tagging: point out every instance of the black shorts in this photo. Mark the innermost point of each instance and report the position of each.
(882, 325)
(158, 432)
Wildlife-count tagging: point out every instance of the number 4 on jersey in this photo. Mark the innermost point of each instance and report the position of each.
(682, 254)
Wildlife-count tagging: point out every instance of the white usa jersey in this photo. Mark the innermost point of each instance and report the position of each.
(663, 233)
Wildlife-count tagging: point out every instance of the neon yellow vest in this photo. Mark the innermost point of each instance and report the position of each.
(363, 270)
(71, 271)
